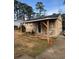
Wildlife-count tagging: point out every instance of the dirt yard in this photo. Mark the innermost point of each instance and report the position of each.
(34, 48)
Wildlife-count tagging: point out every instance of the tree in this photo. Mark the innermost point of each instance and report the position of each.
(26, 10)
(16, 8)
(29, 11)
(22, 9)
(40, 7)
(33, 14)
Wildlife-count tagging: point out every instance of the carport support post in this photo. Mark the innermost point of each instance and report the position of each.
(21, 27)
(48, 32)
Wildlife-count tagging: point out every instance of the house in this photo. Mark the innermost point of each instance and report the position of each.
(17, 23)
(48, 26)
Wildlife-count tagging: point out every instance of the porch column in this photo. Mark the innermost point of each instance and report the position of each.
(48, 32)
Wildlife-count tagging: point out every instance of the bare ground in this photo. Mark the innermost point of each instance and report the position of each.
(34, 48)
(56, 51)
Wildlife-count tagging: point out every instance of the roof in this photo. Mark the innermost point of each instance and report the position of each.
(51, 17)
(18, 22)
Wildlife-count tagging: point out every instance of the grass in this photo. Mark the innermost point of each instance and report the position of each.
(30, 46)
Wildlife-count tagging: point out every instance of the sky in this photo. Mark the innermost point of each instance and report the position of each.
(52, 6)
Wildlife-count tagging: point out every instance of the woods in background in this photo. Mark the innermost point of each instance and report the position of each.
(21, 10)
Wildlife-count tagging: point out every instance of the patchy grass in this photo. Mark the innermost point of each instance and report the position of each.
(27, 45)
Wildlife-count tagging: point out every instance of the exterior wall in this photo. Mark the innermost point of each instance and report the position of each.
(43, 29)
(51, 28)
(30, 27)
(58, 26)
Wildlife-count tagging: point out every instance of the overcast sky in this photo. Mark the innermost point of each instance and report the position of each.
(52, 6)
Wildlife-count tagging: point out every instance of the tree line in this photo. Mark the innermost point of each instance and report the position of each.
(21, 10)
